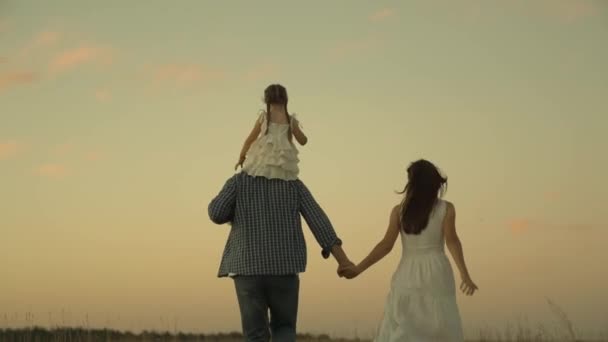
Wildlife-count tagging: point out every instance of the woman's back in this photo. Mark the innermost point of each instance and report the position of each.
(431, 237)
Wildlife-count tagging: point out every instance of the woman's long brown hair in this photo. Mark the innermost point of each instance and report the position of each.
(425, 184)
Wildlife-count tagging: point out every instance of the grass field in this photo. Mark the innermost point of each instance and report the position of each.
(563, 331)
(91, 335)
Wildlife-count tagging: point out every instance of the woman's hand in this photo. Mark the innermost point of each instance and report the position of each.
(349, 271)
(467, 286)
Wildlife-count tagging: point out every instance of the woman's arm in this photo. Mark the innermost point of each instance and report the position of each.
(255, 132)
(381, 249)
(455, 247)
(297, 132)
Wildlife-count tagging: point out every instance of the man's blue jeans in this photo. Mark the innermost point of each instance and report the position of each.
(259, 294)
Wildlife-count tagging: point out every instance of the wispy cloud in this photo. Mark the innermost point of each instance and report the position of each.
(182, 74)
(382, 14)
(93, 156)
(518, 226)
(85, 54)
(42, 39)
(52, 170)
(71, 150)
(14, 78)
(103, 95)
(9, 149)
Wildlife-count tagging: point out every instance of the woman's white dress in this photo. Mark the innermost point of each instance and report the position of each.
(421, 305)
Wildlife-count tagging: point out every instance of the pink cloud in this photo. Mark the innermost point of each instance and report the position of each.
(182, 74)
(77, 56)
(3, 60)
(9, 149)
(103, 95)
(42, 39)
(382, 14)
(93, 156)
(519, 226)
(52, 170)
(14, 78)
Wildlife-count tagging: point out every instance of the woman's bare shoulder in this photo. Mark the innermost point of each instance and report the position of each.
(449, 207)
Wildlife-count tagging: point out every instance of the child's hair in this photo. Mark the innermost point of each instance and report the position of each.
(276, 94)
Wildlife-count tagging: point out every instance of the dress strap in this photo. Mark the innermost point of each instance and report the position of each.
(442, 208)
(263, 121)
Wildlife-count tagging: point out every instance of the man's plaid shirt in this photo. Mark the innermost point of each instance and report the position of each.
(266, 236)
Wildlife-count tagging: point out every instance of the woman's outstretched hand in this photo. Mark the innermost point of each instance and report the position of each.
(467, 286)
(349, 271)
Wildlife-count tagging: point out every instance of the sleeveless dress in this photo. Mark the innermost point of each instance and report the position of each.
(272, 155)
(421, 305)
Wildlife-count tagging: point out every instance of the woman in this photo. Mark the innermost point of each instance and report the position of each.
(421, 305)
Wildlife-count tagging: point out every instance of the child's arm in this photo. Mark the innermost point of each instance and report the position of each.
(257, 128)
(297, 132)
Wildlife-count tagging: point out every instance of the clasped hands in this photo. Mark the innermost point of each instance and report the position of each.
(348, 270)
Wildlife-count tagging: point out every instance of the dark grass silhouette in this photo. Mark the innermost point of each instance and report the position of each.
(104, 335)
(519, 334)
(563, 331)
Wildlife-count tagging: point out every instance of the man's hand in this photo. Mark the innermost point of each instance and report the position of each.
(349, 271)
(344, 265)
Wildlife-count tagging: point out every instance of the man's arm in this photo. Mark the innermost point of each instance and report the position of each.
(340, 256)
(320, 226)
(221, 208)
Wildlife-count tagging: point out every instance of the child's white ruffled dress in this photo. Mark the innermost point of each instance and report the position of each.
(272, 154)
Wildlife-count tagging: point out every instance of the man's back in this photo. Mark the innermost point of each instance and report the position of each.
(266, 236)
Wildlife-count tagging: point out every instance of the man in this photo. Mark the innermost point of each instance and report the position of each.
(266, 250)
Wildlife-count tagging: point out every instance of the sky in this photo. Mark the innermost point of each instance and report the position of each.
(121, 121)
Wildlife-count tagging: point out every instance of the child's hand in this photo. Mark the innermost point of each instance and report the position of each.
(239, 163)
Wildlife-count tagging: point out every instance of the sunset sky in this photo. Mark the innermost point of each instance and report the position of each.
(120, 120)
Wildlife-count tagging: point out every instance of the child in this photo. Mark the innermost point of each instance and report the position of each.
(269, 150)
